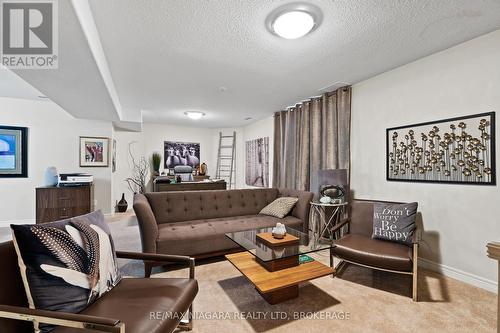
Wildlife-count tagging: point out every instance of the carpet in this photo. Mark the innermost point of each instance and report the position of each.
(357, 300)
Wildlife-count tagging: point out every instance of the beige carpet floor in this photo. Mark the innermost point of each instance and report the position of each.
(357, 300)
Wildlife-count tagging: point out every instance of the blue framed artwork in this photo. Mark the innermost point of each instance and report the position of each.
(13, 152)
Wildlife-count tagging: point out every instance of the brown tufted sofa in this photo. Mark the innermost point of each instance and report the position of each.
(195, 223)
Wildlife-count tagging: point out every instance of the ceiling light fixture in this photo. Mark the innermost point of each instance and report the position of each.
(195, 115)
(294, 20)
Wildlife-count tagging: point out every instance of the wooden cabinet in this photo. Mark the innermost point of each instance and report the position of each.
(58, 203)
(190, 186)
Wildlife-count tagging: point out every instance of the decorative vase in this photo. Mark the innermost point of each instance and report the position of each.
(122, 204)
(203, 169)
(51, 178)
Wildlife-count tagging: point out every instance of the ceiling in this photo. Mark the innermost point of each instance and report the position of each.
(151, 60)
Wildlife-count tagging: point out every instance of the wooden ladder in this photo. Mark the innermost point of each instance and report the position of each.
(226, 159)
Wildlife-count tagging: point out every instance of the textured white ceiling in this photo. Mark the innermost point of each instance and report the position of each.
(169, 56)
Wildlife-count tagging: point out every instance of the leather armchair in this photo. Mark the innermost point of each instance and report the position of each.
(111, 312)
(359, 248)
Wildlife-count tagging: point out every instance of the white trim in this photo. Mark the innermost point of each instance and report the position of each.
(460, 275)
(6, 224)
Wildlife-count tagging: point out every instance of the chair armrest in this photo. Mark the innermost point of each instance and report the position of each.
(340, 225)
(65, 319)
(415, 238)
(159, 258)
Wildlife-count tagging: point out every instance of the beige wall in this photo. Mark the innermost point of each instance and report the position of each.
(458, 219)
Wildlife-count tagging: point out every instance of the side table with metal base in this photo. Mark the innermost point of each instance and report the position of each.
(322, 223)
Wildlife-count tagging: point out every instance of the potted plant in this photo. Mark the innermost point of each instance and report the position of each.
(156, 159)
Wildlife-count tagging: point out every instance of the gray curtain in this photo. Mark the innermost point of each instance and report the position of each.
(311, 136)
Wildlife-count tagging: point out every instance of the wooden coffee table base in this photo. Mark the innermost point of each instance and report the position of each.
(279, 285)
(281, 295)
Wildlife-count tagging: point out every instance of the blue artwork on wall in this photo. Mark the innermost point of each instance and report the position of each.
(13, 151)
(7, 152)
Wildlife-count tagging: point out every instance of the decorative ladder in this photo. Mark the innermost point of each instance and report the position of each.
(225, 159)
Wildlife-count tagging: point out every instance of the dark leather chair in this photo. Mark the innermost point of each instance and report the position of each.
(126, 308)
(358, 247)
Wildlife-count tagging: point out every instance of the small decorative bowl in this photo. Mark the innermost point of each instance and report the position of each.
(279, 236)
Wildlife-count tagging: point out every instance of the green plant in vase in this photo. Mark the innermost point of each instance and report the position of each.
(156, 159)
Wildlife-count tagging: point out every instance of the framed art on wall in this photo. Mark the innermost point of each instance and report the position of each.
(13, 152)
(94, 151)
(257, 162)
(456, 150)
(181, 153)
(113, 157)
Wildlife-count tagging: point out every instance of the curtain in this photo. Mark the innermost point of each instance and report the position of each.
(311, 136)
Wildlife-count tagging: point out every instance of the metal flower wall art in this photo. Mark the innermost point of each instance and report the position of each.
(457, 150)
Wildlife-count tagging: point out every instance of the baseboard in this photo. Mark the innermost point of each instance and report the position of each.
(458, 274)
(6, 224)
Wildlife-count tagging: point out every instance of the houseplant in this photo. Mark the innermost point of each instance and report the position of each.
(156, 160)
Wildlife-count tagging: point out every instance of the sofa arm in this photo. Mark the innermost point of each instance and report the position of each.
(73, 320)
(303, 206)
(147, 223)
(166, 258)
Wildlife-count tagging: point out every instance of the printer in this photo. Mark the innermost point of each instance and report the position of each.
(74, 179)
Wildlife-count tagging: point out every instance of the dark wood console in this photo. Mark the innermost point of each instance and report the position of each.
(57, 203)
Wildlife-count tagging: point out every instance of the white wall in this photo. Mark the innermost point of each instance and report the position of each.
(153, 135)
(123, 165)
(53, 140)
(458, 220)
(151, 140)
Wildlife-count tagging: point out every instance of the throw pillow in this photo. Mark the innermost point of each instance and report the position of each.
(280, 207)
(66, 265)
(394, 222)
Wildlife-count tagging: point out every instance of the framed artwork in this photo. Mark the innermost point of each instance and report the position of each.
(181, 153)
(113, 157)
(257, 162)
(457, 151)
(94, 151)
(13, 152)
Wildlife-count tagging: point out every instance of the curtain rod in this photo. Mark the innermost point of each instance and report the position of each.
(328, 94)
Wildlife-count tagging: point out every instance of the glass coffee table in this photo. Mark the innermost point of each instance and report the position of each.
(275, 270)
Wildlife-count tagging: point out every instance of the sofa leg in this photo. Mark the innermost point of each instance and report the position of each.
(187, 324)
(148, 268)
(415, 272)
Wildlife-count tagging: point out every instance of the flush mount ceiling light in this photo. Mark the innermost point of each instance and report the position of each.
(194, 114)
(294, 20)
